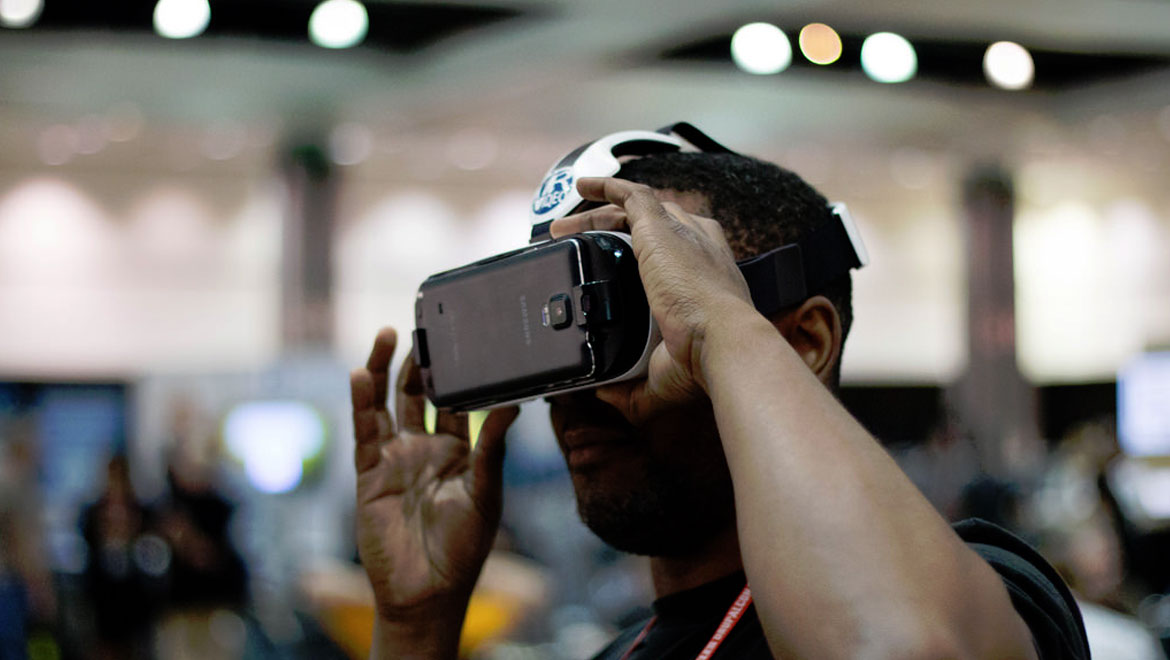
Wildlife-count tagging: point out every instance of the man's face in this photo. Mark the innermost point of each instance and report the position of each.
(659, 488)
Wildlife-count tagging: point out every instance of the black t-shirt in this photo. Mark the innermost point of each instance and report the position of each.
(687, 620)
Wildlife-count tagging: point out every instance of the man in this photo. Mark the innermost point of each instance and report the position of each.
(731, 464)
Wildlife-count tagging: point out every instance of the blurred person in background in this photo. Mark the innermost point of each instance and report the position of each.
(27, 597)
(731, 462)
(207, 578)
(124, 577)
(1079, 525)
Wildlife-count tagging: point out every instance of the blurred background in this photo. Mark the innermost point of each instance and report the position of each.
(208, 208)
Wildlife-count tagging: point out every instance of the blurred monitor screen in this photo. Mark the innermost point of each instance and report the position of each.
(71, 430)
(1143, 406)
(275, 441)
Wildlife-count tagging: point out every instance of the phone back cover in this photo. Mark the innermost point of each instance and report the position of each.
(484, 325)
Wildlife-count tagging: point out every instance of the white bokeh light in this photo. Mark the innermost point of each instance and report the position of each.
(1164, 123)
(761, 48)
(181, 19)
(1008, 65)
(92, 135)
(20, 13)
(350, 143)
(123, 122)
(57, 144)
(888, 58)
(223, 140)
(472, 149)
(339, 24)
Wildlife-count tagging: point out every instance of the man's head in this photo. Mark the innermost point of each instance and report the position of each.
(662, 487)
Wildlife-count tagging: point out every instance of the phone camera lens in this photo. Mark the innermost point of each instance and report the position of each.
(560, 315)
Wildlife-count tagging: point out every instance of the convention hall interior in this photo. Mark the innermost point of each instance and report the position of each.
(209, 208)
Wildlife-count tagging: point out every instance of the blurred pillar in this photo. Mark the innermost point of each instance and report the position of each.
(995, 406)
(307, 249)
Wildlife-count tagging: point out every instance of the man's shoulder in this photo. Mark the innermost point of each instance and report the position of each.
(1037, 591)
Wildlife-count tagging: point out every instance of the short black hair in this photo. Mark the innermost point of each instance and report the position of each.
(760, 205)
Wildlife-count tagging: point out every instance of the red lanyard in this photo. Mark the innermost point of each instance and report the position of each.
(729, 620)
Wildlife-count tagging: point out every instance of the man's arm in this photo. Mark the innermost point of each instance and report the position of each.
(846, 558)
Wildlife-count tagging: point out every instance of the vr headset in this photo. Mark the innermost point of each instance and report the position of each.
(570, 313)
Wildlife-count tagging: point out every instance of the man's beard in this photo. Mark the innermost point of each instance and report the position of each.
(663, 516)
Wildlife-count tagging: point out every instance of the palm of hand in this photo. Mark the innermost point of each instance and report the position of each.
(420, 529)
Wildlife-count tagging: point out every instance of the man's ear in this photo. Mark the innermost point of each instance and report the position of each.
(814, 331)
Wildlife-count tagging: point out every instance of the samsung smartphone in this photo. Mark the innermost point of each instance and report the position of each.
(548, 318)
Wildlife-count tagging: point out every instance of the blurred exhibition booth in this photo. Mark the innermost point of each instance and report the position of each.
(207, 210)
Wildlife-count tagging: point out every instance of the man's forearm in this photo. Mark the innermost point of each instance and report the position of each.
(846, 557)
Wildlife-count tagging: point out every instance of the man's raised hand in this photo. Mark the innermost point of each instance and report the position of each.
(428, 506)
(691, 282)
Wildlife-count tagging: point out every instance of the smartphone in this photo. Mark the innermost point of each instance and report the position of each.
(560, 315)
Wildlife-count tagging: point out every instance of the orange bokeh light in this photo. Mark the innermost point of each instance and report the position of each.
(820, 43)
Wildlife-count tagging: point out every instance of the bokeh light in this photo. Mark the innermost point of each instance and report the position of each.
(223, 140)
(181, 19)
(1008, 65)
(350, 143)
(20, 13)
(57, 144)
(1164, 122)
(339, 24)
(888, 58)
(123, 122)
(472, 149)
(761, 49)
(820, 43)
(91, 135)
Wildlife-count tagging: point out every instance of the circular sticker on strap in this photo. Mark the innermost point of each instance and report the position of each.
(553, 190)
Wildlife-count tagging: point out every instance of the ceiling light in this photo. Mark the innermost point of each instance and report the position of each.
(339, 24)
(888, 58)
(820, 43)
(181, 19)
(20, 13)
(761, 48)
(1008, 65)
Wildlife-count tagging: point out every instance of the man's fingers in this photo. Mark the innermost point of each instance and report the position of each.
(452, 423)
(367, 389)
(621, 396)
(378, 364)
(411, 397)
(368, 420)
(604, 218)
(701, 225)
(665, 387)
(679, 214)
(489, 453)
(638, 200)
